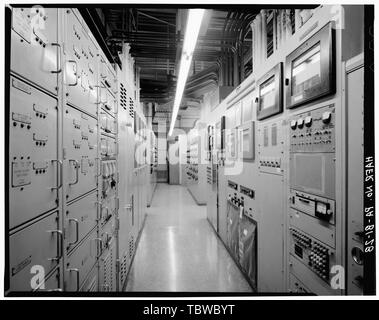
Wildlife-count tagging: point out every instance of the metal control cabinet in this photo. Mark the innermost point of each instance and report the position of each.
(81, 163)
(126, 194)
(80, 218)
(33, 165)
(44, 250)
(355, 248)
(35, 51)
(81, 66)
(80, 262)
(63, 158)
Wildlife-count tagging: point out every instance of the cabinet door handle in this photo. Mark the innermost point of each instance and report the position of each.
(77, 276)
(59, 55)
(100, 251)
(76, 171)
(60, 244)
(77, 231)
(55, 290)
(60, 170)
(76, 73)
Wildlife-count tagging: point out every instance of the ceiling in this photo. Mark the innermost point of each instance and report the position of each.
(156, 36)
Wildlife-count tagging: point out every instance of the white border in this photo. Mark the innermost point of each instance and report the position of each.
(224, 298)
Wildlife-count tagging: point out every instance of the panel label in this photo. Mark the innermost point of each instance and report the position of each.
(16, 269)
(85, 166)
(21, 117)
(21, 173)
(21, 86)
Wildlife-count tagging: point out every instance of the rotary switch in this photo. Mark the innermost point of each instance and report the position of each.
(308, 121)
(326, 117)
(293, 124)
(300, 123)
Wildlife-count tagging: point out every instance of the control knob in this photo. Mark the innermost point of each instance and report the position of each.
(308, 121)
(326, 117)
(300, 123)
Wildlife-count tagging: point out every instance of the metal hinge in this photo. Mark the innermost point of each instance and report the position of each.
(117, 226)
(64, 153)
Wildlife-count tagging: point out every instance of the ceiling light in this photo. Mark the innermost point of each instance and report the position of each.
(194, 19)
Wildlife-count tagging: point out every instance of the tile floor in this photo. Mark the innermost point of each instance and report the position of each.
(179, 251)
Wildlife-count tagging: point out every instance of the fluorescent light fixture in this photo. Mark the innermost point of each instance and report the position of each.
(194, 19)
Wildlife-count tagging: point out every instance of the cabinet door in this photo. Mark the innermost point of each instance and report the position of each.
(80, 144)
(81, 218)
(34, 250)
(107, 269)
(33, 164)
(80, 262)
(80, 67)
(35, 53)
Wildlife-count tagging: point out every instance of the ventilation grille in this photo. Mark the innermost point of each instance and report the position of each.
(131, 247)
(131, 107)
(123, 269)
(123, 97)
(109, 272)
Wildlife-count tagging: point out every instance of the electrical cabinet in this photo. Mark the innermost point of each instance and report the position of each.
(81, 217)
(36, 54)
(80, 66)
(125, 120)
(65, 214)
(35, 171)
(312, 158)
(44, 250)
(81, 163)
(80, 262)
(107, 269)
(355, 239)
(271, 234)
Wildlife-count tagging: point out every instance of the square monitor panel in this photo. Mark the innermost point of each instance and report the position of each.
(310, 69)
(270, 96)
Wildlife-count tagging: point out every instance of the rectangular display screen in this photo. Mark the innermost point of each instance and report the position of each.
(267, 93)
(306, 71)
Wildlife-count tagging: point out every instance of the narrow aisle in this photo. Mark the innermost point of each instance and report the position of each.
(178, 250)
